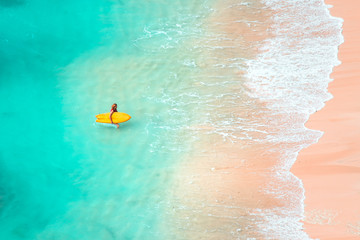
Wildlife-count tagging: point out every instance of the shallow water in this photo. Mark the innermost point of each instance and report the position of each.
(215, 89)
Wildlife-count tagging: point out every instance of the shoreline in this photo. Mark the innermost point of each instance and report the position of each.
(330, 168)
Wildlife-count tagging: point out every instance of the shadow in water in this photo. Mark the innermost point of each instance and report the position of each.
(11, 3)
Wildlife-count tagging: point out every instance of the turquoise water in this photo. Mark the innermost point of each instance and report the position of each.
(62, 177)
(218, 97)
(38, 167)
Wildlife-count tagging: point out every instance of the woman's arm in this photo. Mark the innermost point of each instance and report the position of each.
(111, 113)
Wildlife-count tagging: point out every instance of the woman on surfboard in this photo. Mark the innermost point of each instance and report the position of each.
(113, 109)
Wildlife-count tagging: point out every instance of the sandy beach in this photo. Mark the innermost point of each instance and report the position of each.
(330, 169)
(218, 92)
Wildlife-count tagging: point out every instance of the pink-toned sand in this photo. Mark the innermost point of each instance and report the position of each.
(330, 169)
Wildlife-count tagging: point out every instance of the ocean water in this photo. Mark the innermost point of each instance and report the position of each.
(218, 91)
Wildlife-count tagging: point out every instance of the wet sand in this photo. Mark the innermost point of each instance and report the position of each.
(214, 187)
(330, 169)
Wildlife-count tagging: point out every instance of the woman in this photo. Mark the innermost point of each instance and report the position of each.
(113, 109)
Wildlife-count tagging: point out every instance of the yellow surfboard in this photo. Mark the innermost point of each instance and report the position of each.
(117, 117)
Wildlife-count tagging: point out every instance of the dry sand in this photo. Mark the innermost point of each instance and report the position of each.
(330, 169)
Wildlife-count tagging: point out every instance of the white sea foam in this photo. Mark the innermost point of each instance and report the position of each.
(290, 76)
